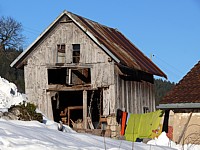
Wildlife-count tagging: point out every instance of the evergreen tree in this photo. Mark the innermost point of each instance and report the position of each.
(161, 88)
(11, 74)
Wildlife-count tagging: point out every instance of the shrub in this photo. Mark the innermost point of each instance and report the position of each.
(27, 112)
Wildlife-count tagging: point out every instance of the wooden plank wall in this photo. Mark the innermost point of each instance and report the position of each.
(132, 96)
(109, 100)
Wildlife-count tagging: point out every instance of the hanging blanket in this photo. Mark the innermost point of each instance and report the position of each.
(132, 129)
(142, 125)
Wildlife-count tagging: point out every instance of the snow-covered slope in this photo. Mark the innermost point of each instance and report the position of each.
(32, 135)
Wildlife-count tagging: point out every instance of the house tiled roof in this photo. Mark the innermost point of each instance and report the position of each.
(113, 42)
(187, 90)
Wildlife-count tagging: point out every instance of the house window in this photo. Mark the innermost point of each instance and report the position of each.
(76, 53)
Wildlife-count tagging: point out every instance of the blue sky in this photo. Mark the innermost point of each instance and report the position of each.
(167, 30)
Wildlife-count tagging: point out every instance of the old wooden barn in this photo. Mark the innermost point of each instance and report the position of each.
(80, 68)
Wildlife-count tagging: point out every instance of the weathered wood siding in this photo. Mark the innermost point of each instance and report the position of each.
(109, 100)
(132, 96)
(45, 54)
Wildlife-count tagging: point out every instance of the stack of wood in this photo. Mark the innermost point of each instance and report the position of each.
(63, 115)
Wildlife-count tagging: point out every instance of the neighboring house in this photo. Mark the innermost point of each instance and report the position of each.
(90, 68)
(184, 100)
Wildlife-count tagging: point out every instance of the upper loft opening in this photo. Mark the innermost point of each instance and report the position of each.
(69, 76)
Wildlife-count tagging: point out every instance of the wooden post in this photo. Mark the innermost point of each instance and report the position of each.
(85, 109)
(49, 106)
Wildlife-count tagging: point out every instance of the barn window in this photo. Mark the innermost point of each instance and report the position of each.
(61, 48)
(76, 53)
(61, 53)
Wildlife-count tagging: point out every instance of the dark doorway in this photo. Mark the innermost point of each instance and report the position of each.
(63, 100)
(69, 99)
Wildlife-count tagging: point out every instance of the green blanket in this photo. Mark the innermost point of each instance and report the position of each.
(141, 125)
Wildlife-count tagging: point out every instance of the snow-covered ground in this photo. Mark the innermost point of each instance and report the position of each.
(33, 135)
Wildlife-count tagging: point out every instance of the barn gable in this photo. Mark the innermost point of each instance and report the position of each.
(110, 40)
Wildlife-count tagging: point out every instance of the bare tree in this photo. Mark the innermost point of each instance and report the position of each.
(10, 33)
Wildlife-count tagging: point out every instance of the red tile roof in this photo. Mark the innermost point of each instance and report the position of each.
(187, 90)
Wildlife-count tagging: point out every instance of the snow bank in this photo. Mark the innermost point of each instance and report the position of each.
(32, 135)
(9, 94)
(163, 140)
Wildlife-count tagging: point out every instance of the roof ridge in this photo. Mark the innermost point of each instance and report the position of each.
(93, 21)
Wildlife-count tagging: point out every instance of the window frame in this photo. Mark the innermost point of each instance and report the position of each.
(76, 52)
(61, 48)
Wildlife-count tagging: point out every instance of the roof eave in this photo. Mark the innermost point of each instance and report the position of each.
(13, 64)
(179, 106)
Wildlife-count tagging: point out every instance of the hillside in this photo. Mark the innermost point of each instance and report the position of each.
(161, 88)
(13, 75)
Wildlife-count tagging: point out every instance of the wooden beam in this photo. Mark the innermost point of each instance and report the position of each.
(85, 109)
(81, 76)
(59, 87)
(64, 65)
